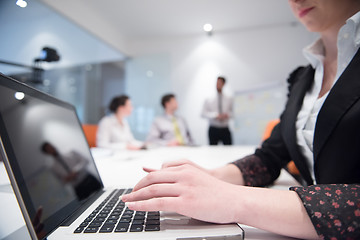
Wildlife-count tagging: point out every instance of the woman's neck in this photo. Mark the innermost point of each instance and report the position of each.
(329, 39)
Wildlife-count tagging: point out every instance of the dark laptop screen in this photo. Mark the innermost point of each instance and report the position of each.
(48, 153)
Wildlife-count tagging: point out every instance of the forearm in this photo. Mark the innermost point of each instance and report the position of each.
(228, 173)
(277, 211)
(260, 207)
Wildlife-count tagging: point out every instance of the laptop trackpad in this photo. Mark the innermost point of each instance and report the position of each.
(192, 229)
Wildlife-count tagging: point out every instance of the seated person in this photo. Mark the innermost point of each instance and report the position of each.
(169, 129)
(114, 131)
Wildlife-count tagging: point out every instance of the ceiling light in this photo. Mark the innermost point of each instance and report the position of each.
(208, 27)
(21, 3)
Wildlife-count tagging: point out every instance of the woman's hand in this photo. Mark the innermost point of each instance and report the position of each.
(132, 147)
(228, 173)
(190, 190)
(176, 163)
(187, 189)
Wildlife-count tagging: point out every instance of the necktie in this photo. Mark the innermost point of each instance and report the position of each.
(178, 136)
(220, 103)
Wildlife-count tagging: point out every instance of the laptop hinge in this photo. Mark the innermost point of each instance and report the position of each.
(81, 209)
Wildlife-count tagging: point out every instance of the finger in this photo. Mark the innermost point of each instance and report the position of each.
(153, 191)
(175, 163)
(169, 204)
(146, 169)
(160, 176)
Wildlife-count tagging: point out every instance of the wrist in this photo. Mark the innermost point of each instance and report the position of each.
(228, 173)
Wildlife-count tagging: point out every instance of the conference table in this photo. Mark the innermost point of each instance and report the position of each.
(123, 168)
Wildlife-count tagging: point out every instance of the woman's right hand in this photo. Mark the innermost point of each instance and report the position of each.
(187, 190)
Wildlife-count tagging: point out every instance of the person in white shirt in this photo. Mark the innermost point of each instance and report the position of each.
(71, 168)
(219, 110)
(169, 129)
(113, 130)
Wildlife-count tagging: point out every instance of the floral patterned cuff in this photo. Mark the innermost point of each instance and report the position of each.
(334, 209)
(254, 171)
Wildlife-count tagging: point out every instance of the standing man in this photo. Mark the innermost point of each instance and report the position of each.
(169, 129)
(219, 110)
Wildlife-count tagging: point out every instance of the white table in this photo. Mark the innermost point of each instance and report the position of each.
(124, 169)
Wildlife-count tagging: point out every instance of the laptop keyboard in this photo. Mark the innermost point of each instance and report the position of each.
(113, 216)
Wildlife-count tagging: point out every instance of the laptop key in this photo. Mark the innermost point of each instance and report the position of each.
(156, 213)
(113, 217)
(79, 230)
(138, 222)
(122, 227)
(136, 228)
(84, 224)
(152, 222)
(95, 224)
(110, 221)
(99, 219)
(88, 219)
(102, 215)
(149, 228)
(125, 220)
(91, 230)
(107, 228)
(153, 217)
(139, 217)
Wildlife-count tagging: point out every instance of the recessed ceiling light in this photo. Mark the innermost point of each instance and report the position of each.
(208, 27)
(21, 3)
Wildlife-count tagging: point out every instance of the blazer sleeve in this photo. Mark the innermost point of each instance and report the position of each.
(265, 166)
(334, 209)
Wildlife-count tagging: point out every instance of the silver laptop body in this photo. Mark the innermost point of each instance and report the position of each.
(55, 179)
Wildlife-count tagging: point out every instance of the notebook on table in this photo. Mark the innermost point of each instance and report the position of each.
(56, 182)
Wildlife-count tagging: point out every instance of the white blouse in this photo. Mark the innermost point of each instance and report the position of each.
(348, 44)
(112, 134)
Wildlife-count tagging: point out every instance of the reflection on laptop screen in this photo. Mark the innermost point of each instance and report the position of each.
(47, 151)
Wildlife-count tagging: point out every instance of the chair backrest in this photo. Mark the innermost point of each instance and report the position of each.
(90, 133)
(269, 127)
(291, 168)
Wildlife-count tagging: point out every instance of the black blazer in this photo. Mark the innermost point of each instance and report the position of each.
(337, 131)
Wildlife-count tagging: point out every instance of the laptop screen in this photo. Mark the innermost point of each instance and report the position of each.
(48, 154)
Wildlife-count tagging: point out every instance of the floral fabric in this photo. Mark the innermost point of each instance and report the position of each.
(254, 171)
(334, 209)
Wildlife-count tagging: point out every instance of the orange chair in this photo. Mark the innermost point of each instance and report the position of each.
(268, 129)
(90, 133)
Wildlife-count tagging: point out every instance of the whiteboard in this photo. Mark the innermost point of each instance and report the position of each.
(253, 109)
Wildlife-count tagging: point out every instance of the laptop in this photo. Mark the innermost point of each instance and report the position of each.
(56, 182)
